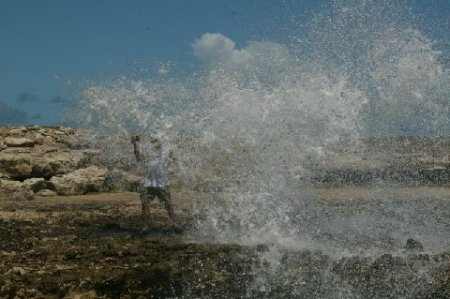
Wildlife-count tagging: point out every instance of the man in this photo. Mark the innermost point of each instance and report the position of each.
(156, 181)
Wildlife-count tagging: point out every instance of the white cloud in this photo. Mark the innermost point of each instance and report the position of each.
(214, 47)
(218, 49)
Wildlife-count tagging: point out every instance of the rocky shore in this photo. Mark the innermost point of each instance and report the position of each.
(68, 231)
(90, 247)
(47, 161)
(398, 160)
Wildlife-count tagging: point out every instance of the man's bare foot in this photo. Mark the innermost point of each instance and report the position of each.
(174, 224)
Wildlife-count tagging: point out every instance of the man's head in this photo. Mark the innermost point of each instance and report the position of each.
(155, 142)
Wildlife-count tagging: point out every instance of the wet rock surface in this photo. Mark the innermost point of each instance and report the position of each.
(91, 247)
(413, 246)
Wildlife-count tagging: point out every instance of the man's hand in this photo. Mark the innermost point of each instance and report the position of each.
(135, 139)
(137, 153)
(172, 156)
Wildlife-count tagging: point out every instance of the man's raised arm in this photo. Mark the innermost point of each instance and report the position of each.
(137, 152)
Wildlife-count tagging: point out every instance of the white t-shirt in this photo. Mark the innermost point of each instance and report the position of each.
(157, 171)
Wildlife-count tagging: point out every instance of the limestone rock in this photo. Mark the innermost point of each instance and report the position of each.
(19, 131)
(36, 184)
(122, 180)
(9, 186)
(15, 164)
(57, 163)
(16, 189)
(44, 162)
(387, 262)
(19, 142)
(49, 141)
(38, 138)
(82, 181)
(132, 180)
(2, 145)
(413, 246)
(23, 194)
(46, 193)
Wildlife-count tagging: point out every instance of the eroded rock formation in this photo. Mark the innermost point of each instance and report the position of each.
(47, 161)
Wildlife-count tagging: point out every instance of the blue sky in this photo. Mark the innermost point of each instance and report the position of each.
(50, 48)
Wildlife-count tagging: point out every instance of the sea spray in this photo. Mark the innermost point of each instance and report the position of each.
(258, 118)
(252, 126)
(363, 70)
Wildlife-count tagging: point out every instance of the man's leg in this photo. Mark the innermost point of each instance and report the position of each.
(145, 216)
(164, 195)
(145, 199)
